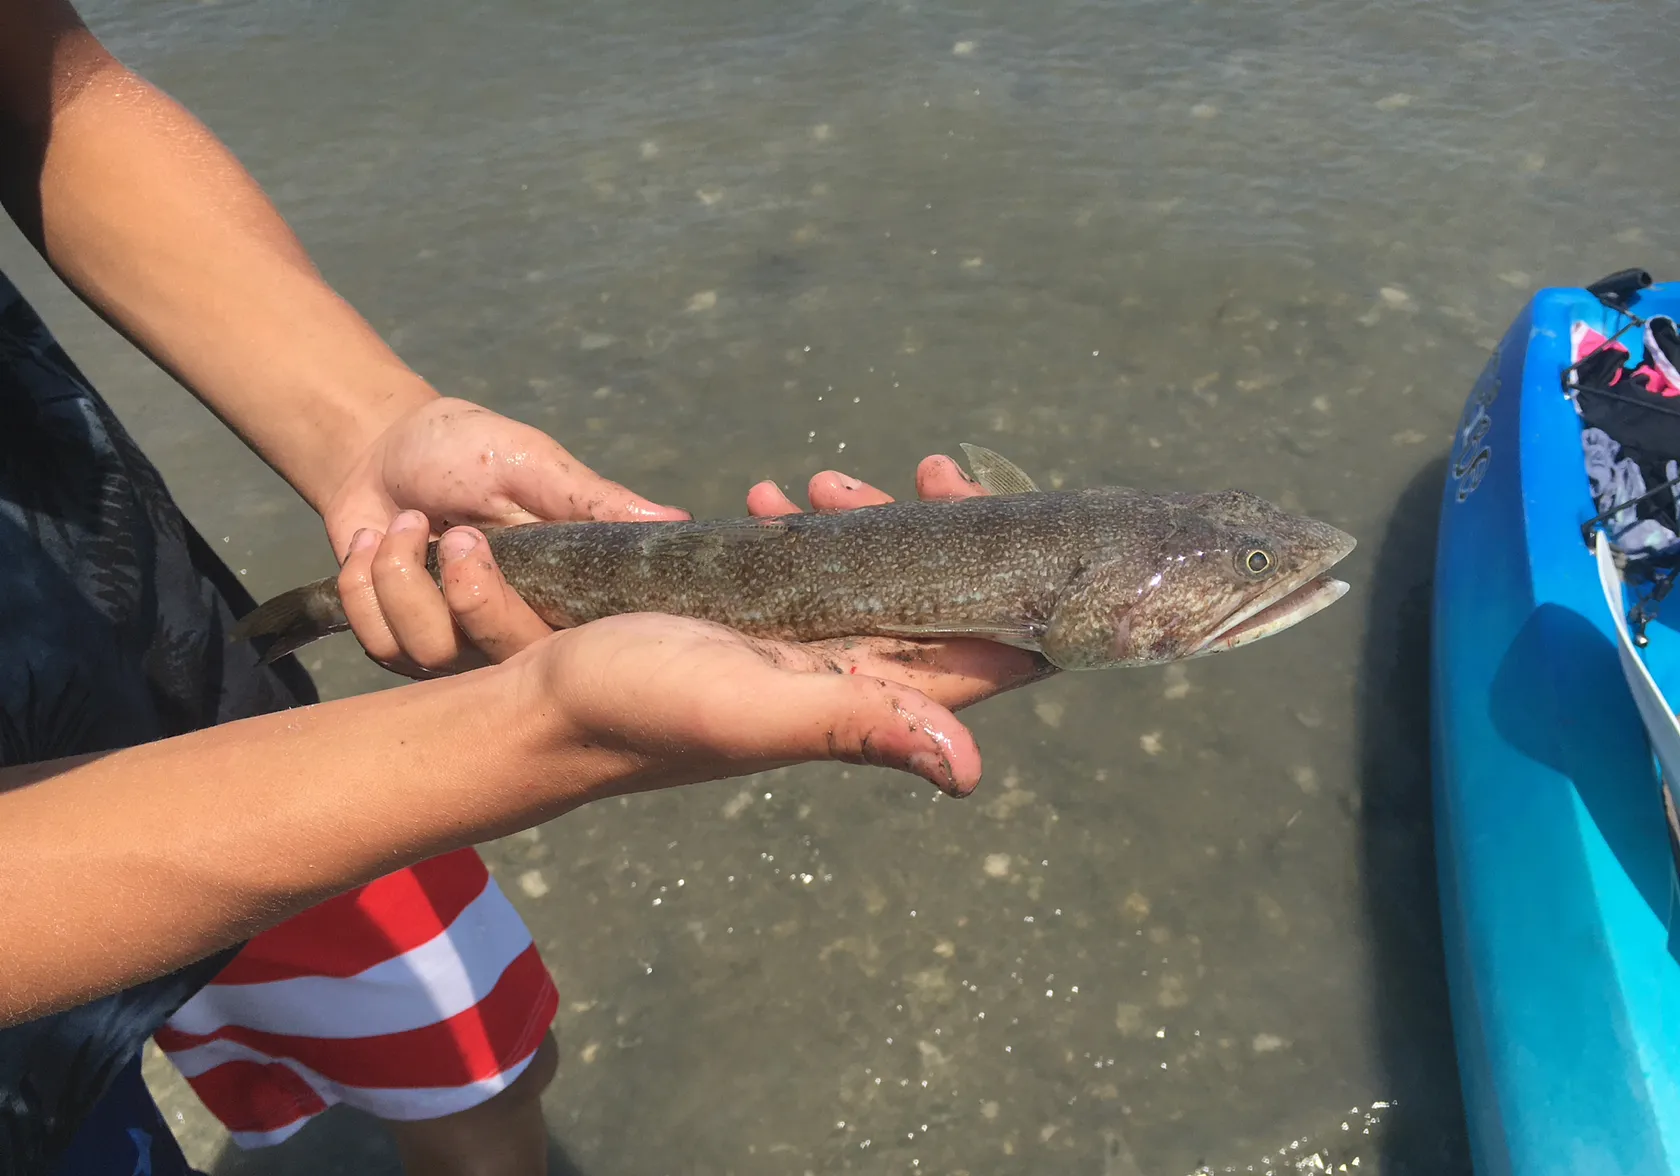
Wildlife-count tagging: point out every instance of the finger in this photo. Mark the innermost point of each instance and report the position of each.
(831, 490)
(549, 483)
(413, 607)
(954, 672)
(895, 727)
(860, 720)
(939, 478)
(361, 602)
(490, 614)
(767, 500)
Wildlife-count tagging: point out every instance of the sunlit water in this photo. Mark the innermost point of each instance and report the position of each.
(1190, 916)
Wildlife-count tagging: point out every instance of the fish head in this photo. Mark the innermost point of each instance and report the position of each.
(1197, 575)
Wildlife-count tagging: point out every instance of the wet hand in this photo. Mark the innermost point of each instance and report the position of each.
(446, 463)
(957, 671)
(652, 701)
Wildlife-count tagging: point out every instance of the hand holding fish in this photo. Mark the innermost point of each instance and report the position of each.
(452, 462)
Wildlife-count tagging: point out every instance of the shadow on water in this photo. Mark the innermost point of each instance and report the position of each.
(1425, 1132)
(1584, 727)
(343, 1142)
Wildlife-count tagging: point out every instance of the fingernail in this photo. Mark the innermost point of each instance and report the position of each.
(408, 520)
(937, 769)
(456, 543)
(847, 482)
(934, 461)
(363, 539)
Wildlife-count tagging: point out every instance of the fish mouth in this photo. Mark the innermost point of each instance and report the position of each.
(1281, 608)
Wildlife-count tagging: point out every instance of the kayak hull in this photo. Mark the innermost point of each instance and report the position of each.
(1556, 878)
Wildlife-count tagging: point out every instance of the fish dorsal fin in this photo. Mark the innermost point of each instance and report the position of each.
(997, 473)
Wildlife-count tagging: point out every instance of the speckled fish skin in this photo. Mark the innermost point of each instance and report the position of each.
(1092, 579)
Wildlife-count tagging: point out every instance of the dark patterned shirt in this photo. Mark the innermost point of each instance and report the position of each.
(113, 620)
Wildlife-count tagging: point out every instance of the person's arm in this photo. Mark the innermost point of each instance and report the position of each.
(154, 223)
(149, 218)
(119, 867)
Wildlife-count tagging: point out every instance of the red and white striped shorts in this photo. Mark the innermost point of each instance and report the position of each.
(415, 996)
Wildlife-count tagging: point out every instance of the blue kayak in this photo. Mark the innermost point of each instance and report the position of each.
(1557, 880)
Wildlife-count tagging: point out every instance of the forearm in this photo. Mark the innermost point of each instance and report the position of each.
(151, 220)
(118, 867)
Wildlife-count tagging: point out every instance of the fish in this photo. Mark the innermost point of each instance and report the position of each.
(1090, 579)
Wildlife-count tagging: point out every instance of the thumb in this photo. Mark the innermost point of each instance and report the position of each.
(552, 484)
(861, 720)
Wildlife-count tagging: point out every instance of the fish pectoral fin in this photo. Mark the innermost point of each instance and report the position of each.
(1020, 636)
(997, 473)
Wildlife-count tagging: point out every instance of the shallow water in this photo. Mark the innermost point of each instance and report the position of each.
(1190, 916)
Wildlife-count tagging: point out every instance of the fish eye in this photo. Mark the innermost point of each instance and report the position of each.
(1257, 561)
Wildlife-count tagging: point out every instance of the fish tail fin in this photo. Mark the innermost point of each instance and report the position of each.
(293, 619)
